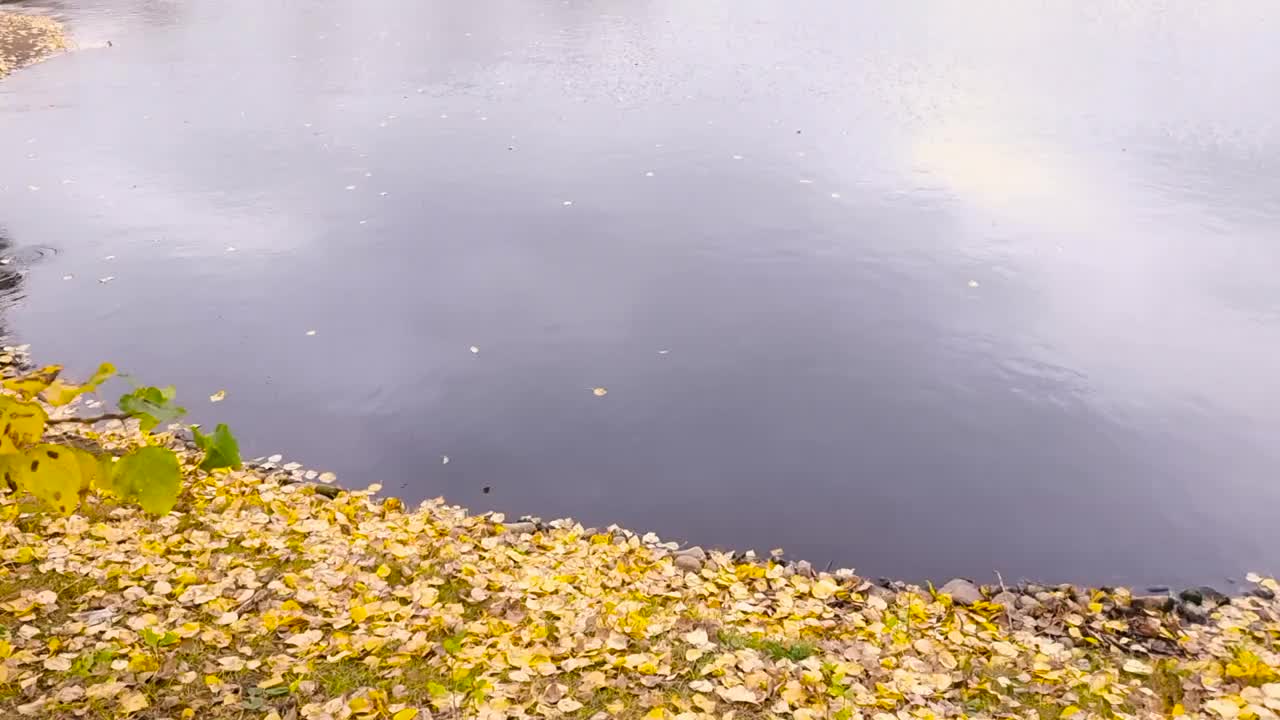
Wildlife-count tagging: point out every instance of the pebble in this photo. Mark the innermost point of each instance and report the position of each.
(1203, 595)
(804, 568)
(311, 474)
(1007, 599)
(962, 591)
(1157, 603)
(275, 458)
(327, 477)
(688, 563)
(695, 552)
(291, 466)
(521, 528)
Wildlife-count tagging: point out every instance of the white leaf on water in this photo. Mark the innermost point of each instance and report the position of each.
(109, 257)
(567, 203)
(311, 332)
(275, 458)
(663, 352)
(106, 279)
(737, 157)
(351, 187)
(218, 396)
(68, 277)
(383, 193)
(231, 248)
(599, 392)
(33, 188)
(806, 181)
(649, 174)
(835, 195)
(474, 349)
(444, 459)
(973, 283)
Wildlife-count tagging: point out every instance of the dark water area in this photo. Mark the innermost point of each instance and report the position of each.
(925, 289)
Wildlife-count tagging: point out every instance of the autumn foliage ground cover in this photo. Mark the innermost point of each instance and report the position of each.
(255, 596)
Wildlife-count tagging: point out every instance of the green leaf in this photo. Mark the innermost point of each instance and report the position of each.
(152, 406)
(60, 393)
(453, 645)
(149, 476)
(220, 449)
(52, 474)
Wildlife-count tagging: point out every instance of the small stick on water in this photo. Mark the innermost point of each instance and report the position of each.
(1001, 579)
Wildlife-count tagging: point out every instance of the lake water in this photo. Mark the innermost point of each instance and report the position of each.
(923, 288)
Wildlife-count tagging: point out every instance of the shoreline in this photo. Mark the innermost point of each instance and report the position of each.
(269, 592)
(28, 39)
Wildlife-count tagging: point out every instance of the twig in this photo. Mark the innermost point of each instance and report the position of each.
(91, 420)
(1001, 579)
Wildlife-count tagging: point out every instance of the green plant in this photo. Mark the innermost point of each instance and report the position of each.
(61, 475)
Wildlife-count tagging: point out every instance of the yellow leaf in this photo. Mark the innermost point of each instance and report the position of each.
(59, 393)
(1137, 667)
(406, 714)
(1068, 711)
(824, 589)
(738, 693)
(1224, 708)
(1178, 710)
(568, 705)
(383, 571)
(656, 714)
(359, 613)
(133, 702)
(21, 424)
(27, 386)
(52, 474)
(698, 638)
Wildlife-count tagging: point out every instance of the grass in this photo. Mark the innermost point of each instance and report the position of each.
(777, 649)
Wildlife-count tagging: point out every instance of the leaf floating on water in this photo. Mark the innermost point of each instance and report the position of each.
(68, 277)
(311, 332)
(444, 459)
(474, 350)
(567, 203)
(600, 392)
(973, 283)
(107, 279)
(218, 396)
(664, 352)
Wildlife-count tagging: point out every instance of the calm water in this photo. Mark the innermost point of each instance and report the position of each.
(925, 289)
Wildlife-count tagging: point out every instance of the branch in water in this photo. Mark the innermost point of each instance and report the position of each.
(91, 420)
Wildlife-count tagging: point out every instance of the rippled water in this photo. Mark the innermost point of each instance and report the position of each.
(926, 289)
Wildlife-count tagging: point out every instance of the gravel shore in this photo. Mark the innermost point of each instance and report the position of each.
(25, 39)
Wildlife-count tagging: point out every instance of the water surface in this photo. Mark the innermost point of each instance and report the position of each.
(930, 289)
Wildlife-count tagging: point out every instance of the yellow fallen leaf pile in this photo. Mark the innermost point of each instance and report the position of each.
(24, 39)
(258, 599)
